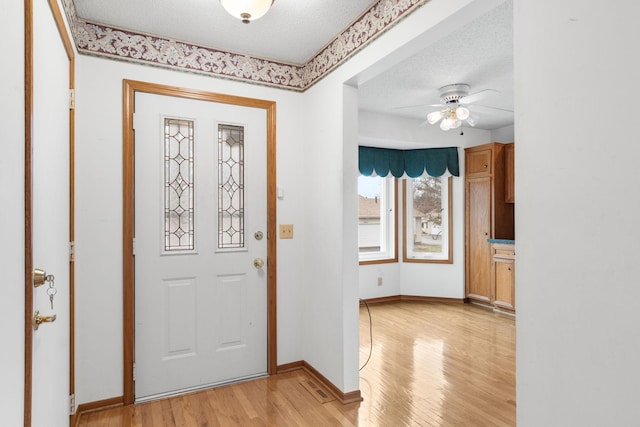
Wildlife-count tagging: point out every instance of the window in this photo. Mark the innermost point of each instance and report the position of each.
(427, 225)
(377, 219)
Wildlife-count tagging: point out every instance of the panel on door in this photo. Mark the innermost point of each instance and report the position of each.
(479, 228)
(200, 197)
(504, 283)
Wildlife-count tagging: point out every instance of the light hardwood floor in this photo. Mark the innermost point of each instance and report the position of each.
(432, 364)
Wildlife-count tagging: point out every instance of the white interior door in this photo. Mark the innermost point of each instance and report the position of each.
(50, 219)
(200, 206)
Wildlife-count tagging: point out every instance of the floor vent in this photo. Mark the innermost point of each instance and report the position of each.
(317, 391)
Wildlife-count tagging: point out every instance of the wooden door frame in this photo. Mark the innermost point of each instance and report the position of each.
(28, 200)
(129, 89)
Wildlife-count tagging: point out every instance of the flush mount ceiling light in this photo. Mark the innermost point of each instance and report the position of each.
(247, 10)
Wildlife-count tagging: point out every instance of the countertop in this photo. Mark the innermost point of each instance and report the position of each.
(503, 241)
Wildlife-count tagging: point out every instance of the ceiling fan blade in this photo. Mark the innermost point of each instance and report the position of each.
(419, 106)
(489, 108)
(476, 96)
(472, 120)
(424, 124)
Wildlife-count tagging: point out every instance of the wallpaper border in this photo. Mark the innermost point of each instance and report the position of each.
(100, 40)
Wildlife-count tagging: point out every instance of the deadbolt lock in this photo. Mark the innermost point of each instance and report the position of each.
(40, 277)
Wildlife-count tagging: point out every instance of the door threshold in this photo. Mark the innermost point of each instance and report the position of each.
(173, 393)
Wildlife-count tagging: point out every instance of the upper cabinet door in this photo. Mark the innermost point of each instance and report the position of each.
(479, 162)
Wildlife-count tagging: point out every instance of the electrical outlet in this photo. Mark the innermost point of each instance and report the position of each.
(379, 280)
(286, 231)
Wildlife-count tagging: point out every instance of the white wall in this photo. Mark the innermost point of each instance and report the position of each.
(99, 215)
(368, 280)
(578, 208)
(322, 299)
(433, 280)
(12, 199)
(504, 134)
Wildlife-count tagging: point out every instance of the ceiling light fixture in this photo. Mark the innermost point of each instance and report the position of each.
(453, 114)
(247, 10)
(451, 117)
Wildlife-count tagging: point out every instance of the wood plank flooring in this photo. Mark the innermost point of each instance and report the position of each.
(432, 364)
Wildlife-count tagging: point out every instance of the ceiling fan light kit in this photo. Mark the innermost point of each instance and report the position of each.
(462, 113)
(451, 121)
(452, 118)
(434, 117)
(458, 107)
(453, 114)
(247, 10)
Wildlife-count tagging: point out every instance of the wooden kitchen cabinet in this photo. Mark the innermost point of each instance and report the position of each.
(509, 181)
(478, 256)
(503, 273)
(487, 216)
(479, 162)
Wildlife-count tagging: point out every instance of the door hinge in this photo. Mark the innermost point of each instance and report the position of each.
(72, 251)
(134, 371)
(72, 99)
(72, 404)
(133, 120)
(133, 246)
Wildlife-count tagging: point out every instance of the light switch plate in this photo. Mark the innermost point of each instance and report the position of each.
(286, 231)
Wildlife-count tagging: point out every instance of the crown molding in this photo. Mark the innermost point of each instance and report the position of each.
(115, 43)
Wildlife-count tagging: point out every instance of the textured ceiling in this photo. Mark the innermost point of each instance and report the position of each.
(479, 54)
(294, 31)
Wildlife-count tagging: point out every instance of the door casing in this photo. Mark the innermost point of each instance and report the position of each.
(130, 87)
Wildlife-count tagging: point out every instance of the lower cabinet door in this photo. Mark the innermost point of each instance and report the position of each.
(504, 292)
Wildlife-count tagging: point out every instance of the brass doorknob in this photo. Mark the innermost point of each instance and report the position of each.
(38, 319)
(258, 263)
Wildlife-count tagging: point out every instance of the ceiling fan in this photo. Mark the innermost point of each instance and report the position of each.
(457, 106)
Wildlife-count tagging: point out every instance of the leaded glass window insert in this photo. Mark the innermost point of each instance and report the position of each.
(178, 185)
(230, 187)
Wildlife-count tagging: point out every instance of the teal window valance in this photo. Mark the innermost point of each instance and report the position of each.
(435, 161)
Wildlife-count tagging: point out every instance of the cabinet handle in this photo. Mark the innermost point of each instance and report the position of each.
(485, 166)
(486, 234)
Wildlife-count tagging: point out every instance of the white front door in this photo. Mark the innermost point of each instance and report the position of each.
(50, 219)
(200, 226)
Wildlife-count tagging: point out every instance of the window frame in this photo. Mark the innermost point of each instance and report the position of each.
(392, 220)
(407, 213)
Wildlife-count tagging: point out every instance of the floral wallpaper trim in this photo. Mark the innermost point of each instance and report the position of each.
(374, 22)
(96, 39)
